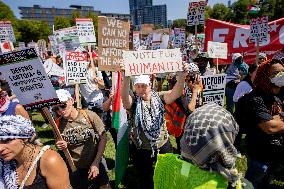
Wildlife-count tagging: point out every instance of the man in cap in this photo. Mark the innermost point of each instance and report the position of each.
(235, 73)
(203, 62)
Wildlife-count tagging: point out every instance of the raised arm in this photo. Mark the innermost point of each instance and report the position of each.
(125, 97)
(178, 88)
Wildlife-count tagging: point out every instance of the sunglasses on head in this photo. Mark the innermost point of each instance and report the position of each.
(58, 107)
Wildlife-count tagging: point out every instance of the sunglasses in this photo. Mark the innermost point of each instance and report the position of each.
(58, 107)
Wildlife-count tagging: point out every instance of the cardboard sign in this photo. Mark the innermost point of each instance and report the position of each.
(152, 61)
(113, 38)
(259, 29)
(26, 76)
(7, 47)
(75, 67)
(6, 32)
(217, 50)
(214, 88)
(86, 30)
(195, 14)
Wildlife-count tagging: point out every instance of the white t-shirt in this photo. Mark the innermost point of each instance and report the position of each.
(90, 90)
(242, 88)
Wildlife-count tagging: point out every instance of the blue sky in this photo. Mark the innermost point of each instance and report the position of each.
(176, 8)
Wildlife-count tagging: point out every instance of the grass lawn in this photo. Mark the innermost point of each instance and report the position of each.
(130, 181)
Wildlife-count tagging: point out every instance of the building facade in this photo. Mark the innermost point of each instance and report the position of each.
(48, 14)
(144, 12)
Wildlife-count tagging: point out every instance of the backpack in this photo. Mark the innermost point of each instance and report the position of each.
(175, 118)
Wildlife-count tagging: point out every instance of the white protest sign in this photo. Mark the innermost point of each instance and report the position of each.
(42, 48)
(152, 61)
(259, 29)
(6, 32)
(214, 88)
(165, 41)
(86, 30)
(26, 76)
(53, 44)
(75, 67)
(113, 37)
(136, 40)
(180, 37)
(71, 32)
(195, 14)
(22, 45)
(7, 47)
(217, 50)
(51, 68)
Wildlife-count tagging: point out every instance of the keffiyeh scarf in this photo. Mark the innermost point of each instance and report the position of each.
(208, 140)
(150, 120)
(12, 127)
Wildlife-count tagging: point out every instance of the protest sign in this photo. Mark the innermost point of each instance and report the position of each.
(237, 37)
(42, 48)
(195, 14)
(156, 41)
(7, 47)
(214, 88)
(22, 45)
(113, 37)
(52, 69)
(26, 76)
(86, 30)
(152, 61)
(179, 37)
(53, 43)
(259, 29)
(136, 40)
(165, 41)
(6, 32)
(75, 67)
(217, 50)
(69, 37)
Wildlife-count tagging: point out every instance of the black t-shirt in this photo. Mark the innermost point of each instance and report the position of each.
(263, 146)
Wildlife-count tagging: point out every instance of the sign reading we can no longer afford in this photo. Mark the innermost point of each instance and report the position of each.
(152, 61)
(113, 37)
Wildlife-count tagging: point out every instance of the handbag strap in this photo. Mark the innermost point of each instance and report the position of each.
(42, 150)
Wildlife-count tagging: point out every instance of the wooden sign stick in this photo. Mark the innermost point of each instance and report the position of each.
(77, 95)
(59, 137)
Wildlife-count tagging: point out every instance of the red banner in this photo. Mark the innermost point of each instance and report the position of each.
(237, 37)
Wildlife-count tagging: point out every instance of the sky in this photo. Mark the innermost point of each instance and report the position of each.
(176, 8)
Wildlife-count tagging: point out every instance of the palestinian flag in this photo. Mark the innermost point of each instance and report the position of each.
(119, 121)
(253, 9)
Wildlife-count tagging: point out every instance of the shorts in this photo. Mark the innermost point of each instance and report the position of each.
(79, 179)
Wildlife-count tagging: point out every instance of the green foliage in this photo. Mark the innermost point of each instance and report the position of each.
(61, 22)
(6, 13)
(32, 30)
(219, 12)
(75, 15)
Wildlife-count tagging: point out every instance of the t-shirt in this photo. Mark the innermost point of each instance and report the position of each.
(262, 146)
(137, 130)
(242, 89)
(90, 90)
(82, 139)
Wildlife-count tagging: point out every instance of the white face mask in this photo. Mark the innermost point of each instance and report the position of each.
(278, 80)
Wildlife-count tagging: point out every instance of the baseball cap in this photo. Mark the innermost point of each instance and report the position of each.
(144, 79)
(63, 95)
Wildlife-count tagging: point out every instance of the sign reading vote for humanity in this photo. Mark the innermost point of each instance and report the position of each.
(26, 76)
(259, 29)
(75, 67)
(113, 38)
(217, 50)
(86, 30)
(195, 14)
(214, 88)
(152, 61)
(6, 31)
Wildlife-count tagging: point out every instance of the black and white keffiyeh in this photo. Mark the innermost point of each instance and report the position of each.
(12, 127)
(151, 121)
(208, 140)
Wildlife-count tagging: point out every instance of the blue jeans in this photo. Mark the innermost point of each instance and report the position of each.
(229, 92)
(256, 173)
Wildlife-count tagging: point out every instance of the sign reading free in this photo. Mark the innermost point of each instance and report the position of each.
(152, 61)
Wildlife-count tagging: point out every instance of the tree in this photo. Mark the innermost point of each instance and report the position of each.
(75, 14)
(61, 22)
(240, 10)
(6, 13)
(219, 12)
(32, 30)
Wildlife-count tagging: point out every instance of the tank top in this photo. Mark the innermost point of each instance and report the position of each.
(11, 109)
(39, 181)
